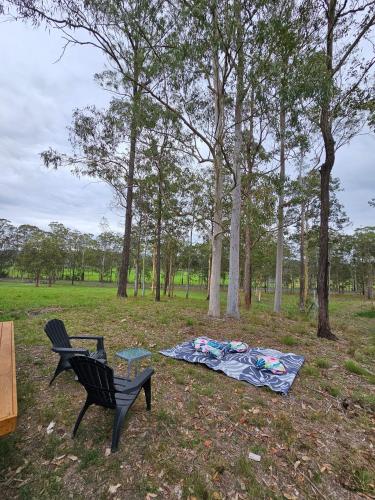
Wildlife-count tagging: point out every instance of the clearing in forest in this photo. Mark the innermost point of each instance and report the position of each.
(315, 443)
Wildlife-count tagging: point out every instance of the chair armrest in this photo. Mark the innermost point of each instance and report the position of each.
(139, 381)
(70, 350)
(99, 340)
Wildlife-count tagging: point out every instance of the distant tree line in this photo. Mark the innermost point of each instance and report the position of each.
(28, 252)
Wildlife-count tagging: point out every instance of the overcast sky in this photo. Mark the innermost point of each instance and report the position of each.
(37, 98)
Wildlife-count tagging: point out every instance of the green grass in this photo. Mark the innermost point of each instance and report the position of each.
(366, 314)
(322, 363)
(199, 417)
(310, 371)
(166, 418)
(354, 367)
(365, 400)
(90, 457)
(195, 487)
(245, 468)
(333, 391)
(364, 480)
(288, 340)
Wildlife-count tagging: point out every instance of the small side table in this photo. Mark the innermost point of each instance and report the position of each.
(133, 354)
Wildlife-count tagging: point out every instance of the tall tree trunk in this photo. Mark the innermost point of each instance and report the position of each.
(102, 269)
(306, 266)
(143, 271)
(209, 276)
(248, 199)
(302, 252)
(370, 282)
(280, 218)
(247, 267)
(83, 266)
(158, 237)
(166, 274)
(124, 269)
(172, 283)
(170, 277)
(153, 278)
(234, 245)
(136, 276)
(217, 233)
(324, 328)
(137, 259)
(189, 259)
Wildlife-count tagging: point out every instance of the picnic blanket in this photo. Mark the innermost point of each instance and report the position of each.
(242, 365)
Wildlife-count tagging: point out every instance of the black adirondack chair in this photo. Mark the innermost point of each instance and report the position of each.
(104, 389)
(56, 331)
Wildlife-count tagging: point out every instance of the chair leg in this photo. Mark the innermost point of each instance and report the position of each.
(59, 369)
(147, 389)
(117, 425)
(80, 416)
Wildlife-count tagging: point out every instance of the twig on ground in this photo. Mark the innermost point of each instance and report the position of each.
(315, 488)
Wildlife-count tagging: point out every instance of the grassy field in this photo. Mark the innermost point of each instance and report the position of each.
(315, 443)
(180, 277)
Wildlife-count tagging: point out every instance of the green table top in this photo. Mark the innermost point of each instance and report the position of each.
(133, 353)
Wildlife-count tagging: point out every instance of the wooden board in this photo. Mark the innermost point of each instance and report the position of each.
(8, 387)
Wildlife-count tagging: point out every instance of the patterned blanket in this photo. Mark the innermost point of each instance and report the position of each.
(241, 366)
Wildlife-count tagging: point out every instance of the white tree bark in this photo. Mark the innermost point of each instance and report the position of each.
(217, 233)
(217, 237)
(234, 250)
(280, 219)
(189, 257)
(136, 278)
(143, 271)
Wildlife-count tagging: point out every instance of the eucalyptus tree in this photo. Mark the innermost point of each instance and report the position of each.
(8, 249)
(121, 30)
(258, 218)
(198, 62)
(204, 35)
(164, 188)
(100, 149)
(306, 215)
(364, 250)
(246, 58)
(52, 255)
(343, 88)
(259, 151)
(107, 246)
(32, 256)
(303, 227)
(223, 32)
(341, 251)
(289, 36)
(187, 44)
(198, 214)
(59, 233)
